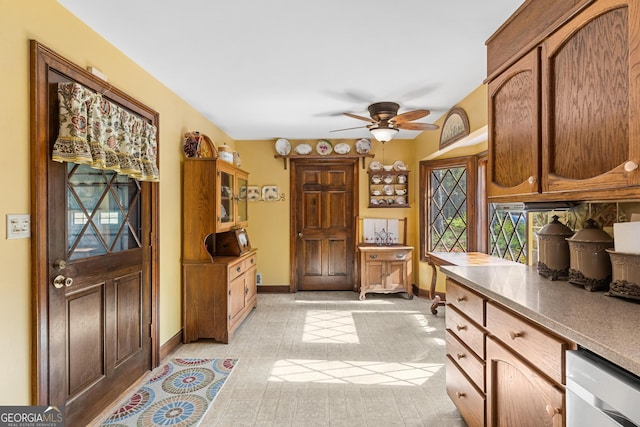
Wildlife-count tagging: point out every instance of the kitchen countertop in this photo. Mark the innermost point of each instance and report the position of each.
(608, 326)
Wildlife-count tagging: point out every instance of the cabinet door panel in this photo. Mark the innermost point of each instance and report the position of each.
(514, 122)
(396, 275)
(236, 298)
(591, 80)
(517, 395)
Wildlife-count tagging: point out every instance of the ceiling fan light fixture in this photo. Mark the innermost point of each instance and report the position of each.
(384, 134)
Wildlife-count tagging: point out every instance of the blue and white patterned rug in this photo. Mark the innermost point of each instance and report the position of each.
(178, 394)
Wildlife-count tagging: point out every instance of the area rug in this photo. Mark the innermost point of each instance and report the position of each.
(178, 394)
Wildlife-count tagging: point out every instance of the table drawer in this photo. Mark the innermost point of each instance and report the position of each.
(469, 401)
(388, 255)
(469, 302)
(467, 360)
(542, 349)
(467, 331)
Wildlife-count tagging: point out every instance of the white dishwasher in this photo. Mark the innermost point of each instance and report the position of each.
(599, 393)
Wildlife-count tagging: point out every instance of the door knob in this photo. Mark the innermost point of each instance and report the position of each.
(59, 264)
(60, 281)
(299, 234)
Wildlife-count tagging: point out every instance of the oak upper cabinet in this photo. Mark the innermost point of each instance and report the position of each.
(591, 87)
(564, 118)
(231, 186)
(514, 123)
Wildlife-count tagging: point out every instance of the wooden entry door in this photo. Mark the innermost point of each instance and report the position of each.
(95, 264)
(324, 211)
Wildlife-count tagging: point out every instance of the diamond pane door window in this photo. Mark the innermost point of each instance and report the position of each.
(103, 212)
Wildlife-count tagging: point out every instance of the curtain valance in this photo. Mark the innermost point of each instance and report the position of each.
(99, 133)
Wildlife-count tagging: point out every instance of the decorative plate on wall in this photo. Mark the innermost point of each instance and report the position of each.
(303, 149)
(283, 147)
(270, 193)
(363, 146)
(324, 147)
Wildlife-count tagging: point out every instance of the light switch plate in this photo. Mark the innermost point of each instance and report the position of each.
(18, 226)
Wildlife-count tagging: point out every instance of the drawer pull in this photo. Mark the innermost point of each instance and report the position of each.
(460, 299)
(460, 356)
(399, 256)
(460, 395)
(461, 327)
(373, 256)
(552, 411)
(238, 269)
(251, 261)
(515, 335)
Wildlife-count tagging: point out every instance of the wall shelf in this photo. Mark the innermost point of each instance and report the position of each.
(286, 158)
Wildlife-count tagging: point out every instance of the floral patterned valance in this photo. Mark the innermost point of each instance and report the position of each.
(99, 133)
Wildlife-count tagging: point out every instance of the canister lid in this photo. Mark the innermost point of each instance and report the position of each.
(591, 233)
(555, 228)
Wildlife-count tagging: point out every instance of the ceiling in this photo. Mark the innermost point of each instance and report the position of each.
(288, 68)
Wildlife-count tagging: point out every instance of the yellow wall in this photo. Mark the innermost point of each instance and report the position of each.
(475, 105)
(269, 225)
(51, 24)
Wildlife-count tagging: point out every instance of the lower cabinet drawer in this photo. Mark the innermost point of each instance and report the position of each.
(469, 401)
(540, 348)
(468, 332)
(236, 269)
(473, 366)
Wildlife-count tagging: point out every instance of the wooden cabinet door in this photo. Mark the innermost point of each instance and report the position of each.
(591, 92)
(373, 274)
(514, 129)
(251, 284)
(395, 275)
(236, 299)
(225, 191)
(517, 395)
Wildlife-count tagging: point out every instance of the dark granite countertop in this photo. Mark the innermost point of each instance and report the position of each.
(608, 326)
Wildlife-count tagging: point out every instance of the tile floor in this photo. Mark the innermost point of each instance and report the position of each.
(328, 359)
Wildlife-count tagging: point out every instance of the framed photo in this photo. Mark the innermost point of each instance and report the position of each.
(455, 127)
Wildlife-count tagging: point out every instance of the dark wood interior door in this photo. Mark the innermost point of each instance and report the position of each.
(323, 217)
(95, 261)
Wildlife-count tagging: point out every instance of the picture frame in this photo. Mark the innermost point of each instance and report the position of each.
(455, 127)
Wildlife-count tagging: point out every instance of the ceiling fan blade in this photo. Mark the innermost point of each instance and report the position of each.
(340, 130)
(410, 116)
(355, 116)
(417, 126)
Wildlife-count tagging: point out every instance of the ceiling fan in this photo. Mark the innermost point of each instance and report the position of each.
(385, 122)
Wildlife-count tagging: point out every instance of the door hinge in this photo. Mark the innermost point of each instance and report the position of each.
(150, 330)
(229, 292)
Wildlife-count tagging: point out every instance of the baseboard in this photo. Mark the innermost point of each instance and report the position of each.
(274, 290)
(424, 293)
(172, 343)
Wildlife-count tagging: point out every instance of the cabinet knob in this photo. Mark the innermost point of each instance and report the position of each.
(551, 410)
(460, 356)
(531, 180)
(514, 334)
(630, 166)
(461, 327)
(460, 299)
(460, 395)
(238, 269)
(373, 256)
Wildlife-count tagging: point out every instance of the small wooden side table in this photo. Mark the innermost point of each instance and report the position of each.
(456, 258)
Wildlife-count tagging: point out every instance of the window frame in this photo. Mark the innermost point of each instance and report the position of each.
(476, 197)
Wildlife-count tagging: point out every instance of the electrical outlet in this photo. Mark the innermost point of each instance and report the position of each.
(258, 278)
(18, 226)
